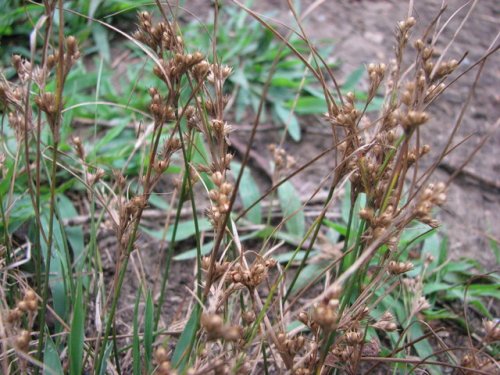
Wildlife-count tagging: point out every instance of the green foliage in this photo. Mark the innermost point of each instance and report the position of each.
(51, 362)
(291, 207)
(252, 50)
(18, 18)
(249, 193)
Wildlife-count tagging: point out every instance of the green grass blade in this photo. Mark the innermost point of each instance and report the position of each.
(183, 347)
(136, 341)
(291, 205)
(249, 193)
(51, 361)
(290, 120)
(148, 330)
(106, 355)
(76, 336)
(57, 267)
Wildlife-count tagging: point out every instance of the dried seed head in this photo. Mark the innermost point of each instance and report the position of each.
(248, 317)
(414, 119)
(445, 68)
(226, 188)
(201, 70)
(427, 53)
(397, 268)
(212, 323)
(304, 318)
(325, 317)
(72, 45)
(231, 333)
(22, 305)
(14, 315)
(386, 323)
(32, 305)
(366, 214)
(217, 178)
(23, 340)
(79, 149)
(161, 355)
(22, 67)
(420, 304)
(419, 44)
(165, 369)
(492, 329)
(353, 337)
(410, 22)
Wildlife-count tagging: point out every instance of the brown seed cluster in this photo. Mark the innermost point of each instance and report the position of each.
(28, 305)
(70, 56)
(159, 37)
(292, 345)
(220, 268)
(220, 197)
(347, 116)
(20, 321)
(492, 330)
(282, 160)
(13, 98)
(51, 103)
(253, 276)
(386, 323)
(161, 357)
(376, 73)
(215, 328)
(398, 268)
(432, 196)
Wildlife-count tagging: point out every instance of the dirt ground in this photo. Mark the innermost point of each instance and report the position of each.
(362, 32)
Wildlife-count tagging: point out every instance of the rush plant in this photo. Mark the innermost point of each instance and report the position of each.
(351, 293)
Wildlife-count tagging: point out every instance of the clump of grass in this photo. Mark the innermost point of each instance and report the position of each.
(357, 304)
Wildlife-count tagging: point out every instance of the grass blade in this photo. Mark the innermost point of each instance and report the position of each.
(51, 361)
(76, 336)
(136, 344)
(148, 331)
(291, 205)
(183, 347)
(249, 193)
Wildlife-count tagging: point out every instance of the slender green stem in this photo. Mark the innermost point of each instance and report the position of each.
(45, 291)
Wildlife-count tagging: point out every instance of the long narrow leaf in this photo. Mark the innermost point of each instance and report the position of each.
(51, 361)
(136, 343)
(76, 336)
(183, 349)
(292, 209)
(249, 193)
(148, 330)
